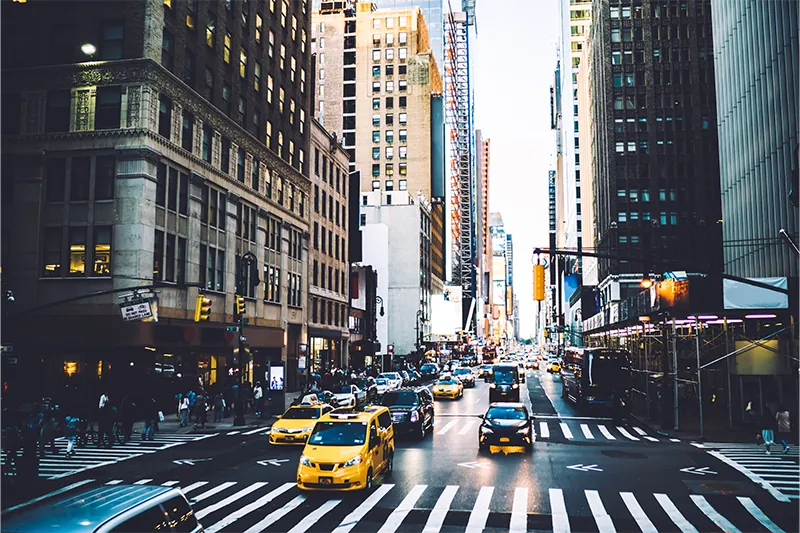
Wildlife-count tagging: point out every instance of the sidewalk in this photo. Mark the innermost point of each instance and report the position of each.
(172, 425)
(711, 432)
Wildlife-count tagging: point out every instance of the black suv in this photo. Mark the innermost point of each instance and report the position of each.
(504, 383)
(412, 410)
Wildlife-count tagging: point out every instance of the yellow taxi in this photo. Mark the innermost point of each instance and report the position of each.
(295, 425)
(554, 366)
(448, 387)
(347, 450)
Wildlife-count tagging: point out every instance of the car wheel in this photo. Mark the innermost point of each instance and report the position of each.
(528, 448)
(390, 463)
(483, 447)
(368, 482)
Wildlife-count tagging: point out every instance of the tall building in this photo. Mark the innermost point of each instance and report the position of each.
(500, 307)
(655, 164)
(586, 207)
(511, 295)
(434, 12)
(484, 254)
(757, 93)
(328, 298)
(155, 143)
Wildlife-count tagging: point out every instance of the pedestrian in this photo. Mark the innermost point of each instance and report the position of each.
(201, 406)
(192, 399)
(767, 428)
(29, 463)
(219, 405)
(784, 427)
(103, 400)
(150, 417)
(127, 416)
(48, 432)
(105, 420)
(71, 424)
(258, 397)
(183, 408)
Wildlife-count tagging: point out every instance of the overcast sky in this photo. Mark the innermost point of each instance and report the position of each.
(514, 59)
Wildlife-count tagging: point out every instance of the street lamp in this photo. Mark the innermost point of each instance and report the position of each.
(89, 49)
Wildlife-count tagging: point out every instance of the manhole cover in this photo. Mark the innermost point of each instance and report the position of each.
(623, 455)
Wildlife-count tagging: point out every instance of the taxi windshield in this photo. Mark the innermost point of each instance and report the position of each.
(339, 434)
(381, 381)
(301, 413)
(447, 381)
(506, 413)
(459, 371)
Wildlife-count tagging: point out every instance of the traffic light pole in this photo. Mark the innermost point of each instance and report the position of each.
(248, 260)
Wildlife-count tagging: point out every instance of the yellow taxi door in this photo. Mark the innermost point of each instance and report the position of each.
(375, 452)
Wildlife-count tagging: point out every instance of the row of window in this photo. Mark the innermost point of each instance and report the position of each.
(80, 179)
(663, 146)
(328, 312)
(333, 281)
(402, 86)
(335, 211)
(76, 251)
(327, 166)
(62, 105)
(332, 244)
(376, 103)
(389, 152)
(389, 136)
(402, 185)
(389, 39)
(665, 218)
(388, 169)
(388, 53)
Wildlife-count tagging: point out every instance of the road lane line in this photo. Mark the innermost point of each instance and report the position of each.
(586, 432)
(519, 511)
(254, 431)
(170, 483)
(439, 512)
(639, 430)
(466, 427)
(566, 431)
(638, 513)
(758, 514)
(544, 430)
(625, 433)
(230, 499)
(312, 518)
(606, 433)
(250, 507)
(350, 521)
(209, 493)
(114, 482)
(276, 515)
(651, 439)
(193, 486)
(558, 511)
(446, 427)
(402, 510)
(49, 495)
(480, 511)
(143, 482)
(674, 514)
(604, 523)
(674, 440)
(233, 432)
(712, 513)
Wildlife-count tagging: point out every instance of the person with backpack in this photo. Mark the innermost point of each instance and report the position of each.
(258, 396)
(784, 427)
(219, 406)
(192, 396)
(201, 406)
(71, 425)
(183, 409)
(150, 417)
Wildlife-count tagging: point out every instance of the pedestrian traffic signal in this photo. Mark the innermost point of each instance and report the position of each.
(241, 306)
(538, 282)
(202, 308)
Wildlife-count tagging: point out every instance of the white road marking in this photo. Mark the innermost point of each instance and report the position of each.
(697, 445)
(446, 427)
(566, 431)
(143, 482)
(651, 439)
(467, 426)
(625, 433)
(758, 514)
(755, 478)
(402, 510)
(229, 500)
(312, 518)
(558, 511)
(209, 493)
(544, 430)
(114, 482)
(674, 440)
(170, 483)
(193, 486)
(586, 432)
(606, 433)
(50, 494)
(519, 511)
(639, 430)
(350, 521)
(638, 513)
(674, 514)
(249, 508)
(234, 432)
(439, 512)
(254, 431)
(276, 515)
(712, 513)
(480, 511)
(604, 523)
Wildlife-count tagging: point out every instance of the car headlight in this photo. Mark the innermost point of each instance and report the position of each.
(414, 417)
(353, 462)
(524, 431)
(305, 461)
(275, 430)
(485, 430)
(514, 386)
(307, 429)
(590, 398)
(493, 386)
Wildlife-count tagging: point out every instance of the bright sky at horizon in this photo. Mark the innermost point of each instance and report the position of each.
(513, 60)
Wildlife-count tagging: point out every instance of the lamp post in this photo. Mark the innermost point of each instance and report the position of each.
(378, 300)
(421, 318)
(248, 260)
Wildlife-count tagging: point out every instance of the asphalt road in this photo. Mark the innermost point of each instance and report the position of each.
(585, 474)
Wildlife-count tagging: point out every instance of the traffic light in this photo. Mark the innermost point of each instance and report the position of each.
(202, 308)
(538, 282)
(241, 306)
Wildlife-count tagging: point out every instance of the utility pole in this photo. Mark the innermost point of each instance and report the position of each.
(699, 380)
(665, 418)
(675, 377)
(250, 261)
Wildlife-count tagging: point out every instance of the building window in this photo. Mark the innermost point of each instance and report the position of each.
(111, 44)
(167, 50)
(105, 173)
(77, 250)
(225, 160)
(403, 185)
(79, 179)
(108, 108)
(226, 48)
(272, 284)
(58, 111)
(188, 67)
(187, 131)
(403, 152)
(51, 252)
(403, 169)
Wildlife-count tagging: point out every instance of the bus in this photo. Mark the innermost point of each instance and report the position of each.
(590, 377)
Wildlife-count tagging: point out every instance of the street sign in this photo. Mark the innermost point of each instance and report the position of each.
(189, 462)
(699, 471)
(232, 328)
(585, 468)
(242, 338)
(301, 363)
(137, 309)
(271, 462)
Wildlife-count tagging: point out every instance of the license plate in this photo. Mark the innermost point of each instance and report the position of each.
(325, 480)
(288, 438)
(504, 439)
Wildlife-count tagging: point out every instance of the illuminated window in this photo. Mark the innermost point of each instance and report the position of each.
(226, 48)
(51, 253)
(77, 251)
(242, 63)
(102, 251)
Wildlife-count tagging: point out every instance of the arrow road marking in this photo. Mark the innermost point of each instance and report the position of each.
(189, 462)
(272, 462)
(699, 471)
(585, 468)
(474, 464)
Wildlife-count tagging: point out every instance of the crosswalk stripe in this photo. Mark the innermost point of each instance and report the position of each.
(639, 430)
(402, 510)
(143, 482)
(606, 433)
(626, 434)
(519, 511)
(558, 511)
(230, 499)
(712, 513)
(586, 431)
(638, 513)
(233, 432)
(566, 431)
(651, 439)
(170, 483)
(480, 511)
(211, 492)
(447, 427)
(250, 507)
(544, 430)
(276, 515)
(466, 427)
(674, 440)
(604, 523)
(439, 512)
(254, 431)
(674, 514)
(359, 512)
(758, 514)
(193, 486)
(114, 482)
(313, 517)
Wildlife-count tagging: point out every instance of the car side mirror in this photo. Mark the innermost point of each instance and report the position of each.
(480, 416)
